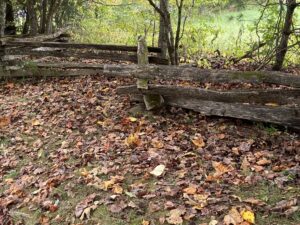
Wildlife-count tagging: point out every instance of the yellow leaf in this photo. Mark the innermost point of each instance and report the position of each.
(84, 172)
(199, 142)
(117, 189)
(248, 216)
(132, 140)
(132, 119)
(35, 122)
(108, 184)
(145, 222)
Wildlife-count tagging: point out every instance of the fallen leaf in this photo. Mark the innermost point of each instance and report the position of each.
(145, 222)
(132, 119)
(175, 216)
(158, 171)
(79, 209)
(263, 162)
(133, 140)
(233, 217)
(190, 190)
(4, 121)
(117, 189)
(198, 142)
(285, 204)
(220, 169)
(248, 216)
(35, 122)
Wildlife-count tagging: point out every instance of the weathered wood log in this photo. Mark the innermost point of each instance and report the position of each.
(282, 115)
(78, 46)
(287, 116)
(61, 53)
(69, 66)
(204, 75)
(273, 96)
(36, 72)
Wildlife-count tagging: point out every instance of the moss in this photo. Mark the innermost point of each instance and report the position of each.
(248, 75)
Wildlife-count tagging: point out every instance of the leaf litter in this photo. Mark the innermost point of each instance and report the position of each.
(69, 147)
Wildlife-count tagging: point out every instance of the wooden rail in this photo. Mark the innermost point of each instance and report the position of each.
(86, 51)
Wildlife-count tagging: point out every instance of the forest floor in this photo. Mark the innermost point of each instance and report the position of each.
(74, 152)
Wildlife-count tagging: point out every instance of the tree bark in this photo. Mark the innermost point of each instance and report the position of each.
(10, 19)
(286, 32)
(2, 17)
(162, 40)
(44, 5)
(32, 16)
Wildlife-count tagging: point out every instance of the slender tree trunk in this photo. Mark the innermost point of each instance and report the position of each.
(51, 12)
(43, 16)
(286, 32)
(10, 19)
(33, 23)
(2, 17)
(163, 36)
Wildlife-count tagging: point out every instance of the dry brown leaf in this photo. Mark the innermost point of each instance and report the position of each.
(190, 190)
(233, 217)
(263, 162)
(198, 142)
(175, 216)
(220, 168)
(4, 121)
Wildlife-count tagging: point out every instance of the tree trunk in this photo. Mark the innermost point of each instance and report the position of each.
(51, 12)
(33, 23)
(286, 32)
(43, 16)
(163, 41)
(10, 19)
(2, 17)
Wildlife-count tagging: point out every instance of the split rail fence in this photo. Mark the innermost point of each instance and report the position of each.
(278, 105)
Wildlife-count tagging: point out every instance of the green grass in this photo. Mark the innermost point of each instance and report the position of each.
(270, 194)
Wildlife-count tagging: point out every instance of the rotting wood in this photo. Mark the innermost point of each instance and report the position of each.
(272, 96)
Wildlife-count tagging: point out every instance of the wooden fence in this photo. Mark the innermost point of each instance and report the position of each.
(74, 50)
(279, 104)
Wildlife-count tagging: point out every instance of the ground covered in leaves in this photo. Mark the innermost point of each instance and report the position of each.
(73, 152)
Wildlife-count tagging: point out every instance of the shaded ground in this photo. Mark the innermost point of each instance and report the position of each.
(69, 149)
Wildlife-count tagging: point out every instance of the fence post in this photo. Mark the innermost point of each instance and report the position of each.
(151, 101)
